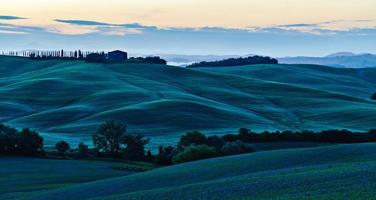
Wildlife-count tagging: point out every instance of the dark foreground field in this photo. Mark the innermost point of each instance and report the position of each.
(328, 172)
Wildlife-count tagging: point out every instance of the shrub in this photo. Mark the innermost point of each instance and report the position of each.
(237, 147)
(192, 138)
(195, 152)
(216, 142)
(62, 147)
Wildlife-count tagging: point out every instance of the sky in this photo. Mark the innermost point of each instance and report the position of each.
(265, 27)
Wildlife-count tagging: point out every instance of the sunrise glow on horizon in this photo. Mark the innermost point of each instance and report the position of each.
(222, 27)
(192, 13)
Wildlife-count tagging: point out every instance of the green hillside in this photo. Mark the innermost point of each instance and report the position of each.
(331, 172)
(69, 99)
(31, 174)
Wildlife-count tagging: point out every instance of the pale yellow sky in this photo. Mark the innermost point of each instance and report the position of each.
(191, 13)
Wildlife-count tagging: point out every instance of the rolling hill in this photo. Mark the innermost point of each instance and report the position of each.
(30, 174)
(69, 99)
(331, 172)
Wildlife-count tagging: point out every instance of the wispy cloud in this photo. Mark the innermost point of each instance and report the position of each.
(86, 26)
(82, 22)
(299, 25)
(278, 40)
(327, 27)
(7, 17)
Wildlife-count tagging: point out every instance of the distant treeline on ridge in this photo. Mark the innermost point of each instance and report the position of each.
(88, 56)
(251, 60)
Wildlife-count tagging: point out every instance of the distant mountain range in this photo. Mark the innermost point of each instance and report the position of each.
(340, 59)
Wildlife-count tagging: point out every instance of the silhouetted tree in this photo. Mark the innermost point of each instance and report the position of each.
(147, 60)
(165, 155)
(135, 146)
(252, 60)
(109, 136)
(192, 138)
(25, 143)
(149, 156)
(216, 142)
(62, 147)
(83, 149)
(95, 58)
(31, 143)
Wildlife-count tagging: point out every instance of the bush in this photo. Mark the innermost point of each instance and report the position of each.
(195, 152)
(237, 147)
(192, 138)
(62, 147)
(216, 142)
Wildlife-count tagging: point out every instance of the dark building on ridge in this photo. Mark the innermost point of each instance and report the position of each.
(117, 56)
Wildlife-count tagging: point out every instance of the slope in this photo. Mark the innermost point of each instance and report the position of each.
(323, 172)
(69, 99)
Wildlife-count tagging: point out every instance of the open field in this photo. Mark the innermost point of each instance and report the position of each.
(30, 174)
(69, 99)
(329, 172)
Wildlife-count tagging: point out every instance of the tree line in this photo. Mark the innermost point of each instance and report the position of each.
(54, 54)
(101, 58)
(251, 60)
(112, 140)
(88, 56)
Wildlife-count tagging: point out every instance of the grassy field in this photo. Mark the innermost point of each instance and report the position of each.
(69, 99)
(34, 174)
(327, 172)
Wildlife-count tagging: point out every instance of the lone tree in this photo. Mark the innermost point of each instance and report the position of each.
(373, 96)
(109, 136)
(62, 147)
